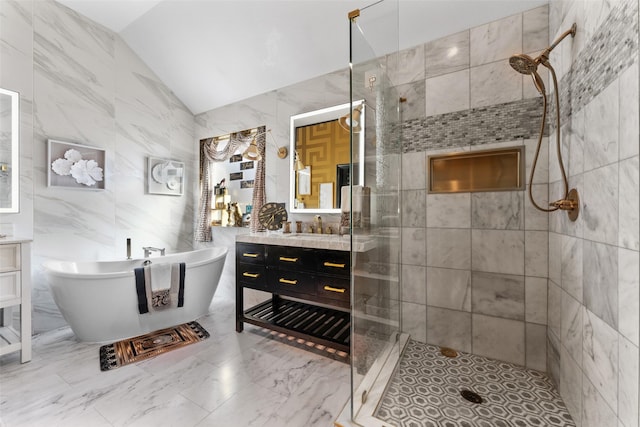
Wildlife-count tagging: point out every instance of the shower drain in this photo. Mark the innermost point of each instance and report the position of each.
(471, 396)
(448, 352)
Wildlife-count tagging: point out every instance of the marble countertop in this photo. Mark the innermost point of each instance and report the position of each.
(307, 240)
(14, 239)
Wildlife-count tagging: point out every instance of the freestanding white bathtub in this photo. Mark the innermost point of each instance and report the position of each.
(99, 300)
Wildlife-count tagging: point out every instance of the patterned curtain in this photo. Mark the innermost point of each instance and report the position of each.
(203, 227)
(209, 153)
(259, 183)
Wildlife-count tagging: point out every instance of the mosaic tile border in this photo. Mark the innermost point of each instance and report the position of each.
(611, 50)
(476, 126)
(425, 391)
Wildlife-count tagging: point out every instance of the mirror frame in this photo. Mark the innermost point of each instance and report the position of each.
(15, 152)
(320, 116)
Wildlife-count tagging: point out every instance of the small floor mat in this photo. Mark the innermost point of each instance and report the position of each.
(150, 345)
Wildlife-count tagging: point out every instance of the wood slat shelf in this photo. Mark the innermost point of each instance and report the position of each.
(9, 340)
(320, 325)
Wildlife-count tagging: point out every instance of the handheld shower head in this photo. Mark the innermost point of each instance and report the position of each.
(524, 64)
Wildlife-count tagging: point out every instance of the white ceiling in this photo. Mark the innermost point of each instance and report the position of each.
(212, 53)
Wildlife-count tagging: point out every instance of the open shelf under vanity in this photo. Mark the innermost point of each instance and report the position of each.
(320, 325)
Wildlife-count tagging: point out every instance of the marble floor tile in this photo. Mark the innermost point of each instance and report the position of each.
(314, 401)
(246, 379)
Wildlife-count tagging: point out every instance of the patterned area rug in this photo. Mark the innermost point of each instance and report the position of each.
(150, 345)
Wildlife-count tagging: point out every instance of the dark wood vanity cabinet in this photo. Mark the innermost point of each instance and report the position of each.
(310, 291)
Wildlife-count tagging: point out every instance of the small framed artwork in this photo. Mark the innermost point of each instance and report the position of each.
(72, 165)
(165, 177)
(235, 176)
(235, 158)
(246, 165)
(247, 184)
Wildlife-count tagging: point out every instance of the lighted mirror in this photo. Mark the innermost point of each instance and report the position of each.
(320, 147)
(9, 152)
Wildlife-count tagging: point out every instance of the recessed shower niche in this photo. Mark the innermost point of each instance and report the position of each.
(487, 170)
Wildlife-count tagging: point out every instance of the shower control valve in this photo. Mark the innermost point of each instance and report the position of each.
(564, 204)
(571, 204)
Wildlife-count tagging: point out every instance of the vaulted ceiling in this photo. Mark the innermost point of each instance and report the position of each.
(212, 53)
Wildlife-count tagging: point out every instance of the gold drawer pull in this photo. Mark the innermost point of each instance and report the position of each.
(339, 290)
(288, 282)
(284, 258)
(333, 264)
(252, 275)
(248, 255)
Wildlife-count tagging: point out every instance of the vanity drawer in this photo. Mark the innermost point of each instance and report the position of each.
(9, 257)
(333, 288)
(252, 276)
(287, 282)
(250, 253)
(333, 262)
(9, 286)
(288, 257)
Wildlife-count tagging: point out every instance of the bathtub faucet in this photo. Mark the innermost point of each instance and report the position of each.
(148, 249)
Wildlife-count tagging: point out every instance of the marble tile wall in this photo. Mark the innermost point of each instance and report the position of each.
(16, 74)
(81, 83)
(593, 310)
(475, 265)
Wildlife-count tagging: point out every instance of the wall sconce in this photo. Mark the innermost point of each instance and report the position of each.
(298, 165)
(252, 152)
(352, 121)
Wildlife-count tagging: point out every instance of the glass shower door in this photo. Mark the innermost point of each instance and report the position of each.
(375, 280)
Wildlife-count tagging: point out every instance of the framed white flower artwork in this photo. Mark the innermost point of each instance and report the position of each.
(165, 176)
(74, 165)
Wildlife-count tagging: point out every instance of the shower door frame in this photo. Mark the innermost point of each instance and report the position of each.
(376, 315)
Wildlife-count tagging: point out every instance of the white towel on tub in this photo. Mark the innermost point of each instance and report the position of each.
(160, 276)
(163, 286)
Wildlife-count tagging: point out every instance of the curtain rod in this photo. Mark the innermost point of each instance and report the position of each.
(246, 132)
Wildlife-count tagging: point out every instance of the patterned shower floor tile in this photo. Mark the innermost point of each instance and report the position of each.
(425, 391)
